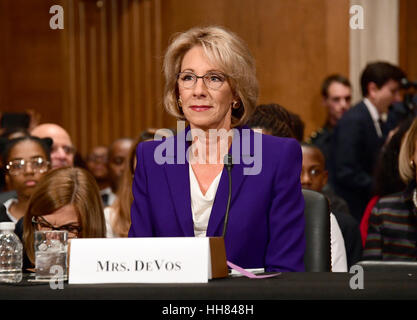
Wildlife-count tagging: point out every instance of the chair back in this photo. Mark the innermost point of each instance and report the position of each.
(317, 257)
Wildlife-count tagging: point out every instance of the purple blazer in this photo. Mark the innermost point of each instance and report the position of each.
(266, 217)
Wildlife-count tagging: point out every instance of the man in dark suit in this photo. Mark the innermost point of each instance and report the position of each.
(360, 134)
(336, 95)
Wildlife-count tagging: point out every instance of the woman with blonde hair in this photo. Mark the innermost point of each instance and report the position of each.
(210, 81)
(64, 199)
(392, 231)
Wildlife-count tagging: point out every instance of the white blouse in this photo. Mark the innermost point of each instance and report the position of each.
(201, 204)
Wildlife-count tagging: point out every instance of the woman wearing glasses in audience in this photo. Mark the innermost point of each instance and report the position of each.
(26, 160)
(211, 83)
(64, 199)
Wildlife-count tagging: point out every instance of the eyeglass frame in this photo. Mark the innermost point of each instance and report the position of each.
(23, 164)
(224, 76)
(64, 227)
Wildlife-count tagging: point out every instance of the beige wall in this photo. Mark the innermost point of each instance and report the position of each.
(377, 41)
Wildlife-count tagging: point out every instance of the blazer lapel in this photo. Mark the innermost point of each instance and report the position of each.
(218, 211)
(179, 184)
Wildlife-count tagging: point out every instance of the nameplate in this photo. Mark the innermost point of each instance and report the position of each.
(141, 260)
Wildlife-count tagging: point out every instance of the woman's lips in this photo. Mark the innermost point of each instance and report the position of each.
(200, 108)
(30, 183)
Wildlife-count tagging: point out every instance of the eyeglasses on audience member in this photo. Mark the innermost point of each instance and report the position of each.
(42, 225)
(17, 166)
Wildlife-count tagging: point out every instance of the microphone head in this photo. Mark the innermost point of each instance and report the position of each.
(228, 160)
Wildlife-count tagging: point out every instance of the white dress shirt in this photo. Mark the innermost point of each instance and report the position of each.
(337, 246)
(201, 204)
(7, 205)
(375, 116)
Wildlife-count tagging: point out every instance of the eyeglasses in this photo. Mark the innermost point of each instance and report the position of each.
(38, 164)
(212, 80)
(42, 224)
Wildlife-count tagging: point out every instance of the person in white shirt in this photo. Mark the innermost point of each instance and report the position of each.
(314, 177)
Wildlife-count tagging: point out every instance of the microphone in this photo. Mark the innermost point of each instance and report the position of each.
(228, 162)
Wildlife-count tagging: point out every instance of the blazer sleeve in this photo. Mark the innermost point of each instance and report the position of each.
(286, 247)
(140, 213)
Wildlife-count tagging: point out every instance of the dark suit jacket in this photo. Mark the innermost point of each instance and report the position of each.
(355, 148)
(3, 215)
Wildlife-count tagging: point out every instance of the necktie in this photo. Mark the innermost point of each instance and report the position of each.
(384, 128)
(105, 199)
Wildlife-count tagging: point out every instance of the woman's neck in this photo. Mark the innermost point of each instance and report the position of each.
(210, 146)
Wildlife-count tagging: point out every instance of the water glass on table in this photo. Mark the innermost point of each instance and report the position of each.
(51, 249)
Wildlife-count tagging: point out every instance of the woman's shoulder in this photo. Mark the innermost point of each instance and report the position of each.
(393, 202)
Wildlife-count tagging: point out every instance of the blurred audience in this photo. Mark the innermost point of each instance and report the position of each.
(26, 160)
(387, 179)
(314, 177)
(336, 95)
(64, 199)
(97, 164)
(272, 119)
(360, 134)
(62, 154)
(118, 214)
(392, 233)
(118, 152)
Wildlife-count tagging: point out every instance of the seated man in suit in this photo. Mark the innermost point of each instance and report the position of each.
(360, 134)
(314, 177)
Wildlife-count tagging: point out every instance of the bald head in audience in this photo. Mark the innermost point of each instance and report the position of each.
(62, 154)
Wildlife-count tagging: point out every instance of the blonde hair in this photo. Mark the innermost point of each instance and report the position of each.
(229, 53)
(121, 221)
(61, 187)
(408, 147)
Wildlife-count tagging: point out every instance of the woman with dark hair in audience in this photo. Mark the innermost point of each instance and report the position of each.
(272, 119)
(392, 233)
(65, 198)
(26, 160)
(118, 214)
(387, 179)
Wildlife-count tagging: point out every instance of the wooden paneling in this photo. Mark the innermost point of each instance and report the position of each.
(113, 84)
(408, 38)
(101, 77)
(295, 43)
(30, 59)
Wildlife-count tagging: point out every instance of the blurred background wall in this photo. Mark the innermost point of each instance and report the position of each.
(101, 76)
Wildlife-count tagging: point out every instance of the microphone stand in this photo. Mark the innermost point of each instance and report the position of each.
(228, 163)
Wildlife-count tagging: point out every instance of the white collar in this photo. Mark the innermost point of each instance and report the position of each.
(7, 204)
(372, 109)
